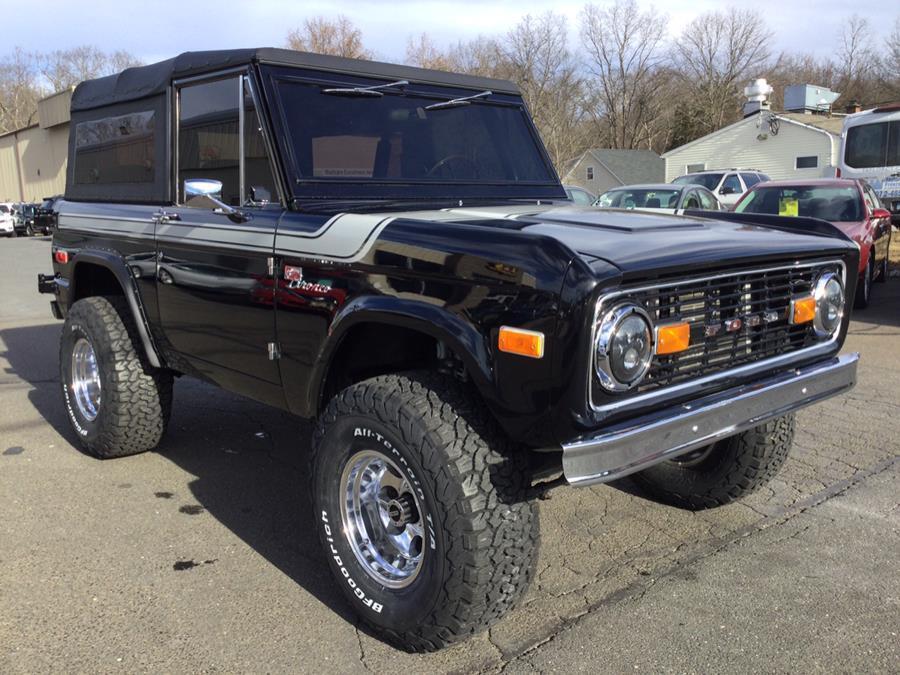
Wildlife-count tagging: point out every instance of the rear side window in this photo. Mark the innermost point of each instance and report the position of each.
(115, 149)
(750, 179)
(867, 145)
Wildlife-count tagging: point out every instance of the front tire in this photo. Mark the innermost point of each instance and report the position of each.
(420, 506)
(117, 404)
(723, 472)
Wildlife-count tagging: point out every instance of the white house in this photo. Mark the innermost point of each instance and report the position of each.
(780, 145)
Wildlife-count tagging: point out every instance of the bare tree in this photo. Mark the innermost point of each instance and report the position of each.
(535, 54)
(338, 37)
(19, 92)
(625, 48)
(890, 64)
(715, 55)
(65, 68)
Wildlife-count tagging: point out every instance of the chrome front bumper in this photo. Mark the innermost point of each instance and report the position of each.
(630, 446)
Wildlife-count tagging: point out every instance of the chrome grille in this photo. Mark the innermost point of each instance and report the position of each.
(759, 300)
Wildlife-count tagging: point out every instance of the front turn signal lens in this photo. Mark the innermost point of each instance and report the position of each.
(522, 342)
(803, 309)
(672, 338)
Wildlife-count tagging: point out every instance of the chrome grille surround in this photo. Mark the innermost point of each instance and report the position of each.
(751, 295)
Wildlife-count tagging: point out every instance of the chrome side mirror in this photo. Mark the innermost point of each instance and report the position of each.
(202, 187)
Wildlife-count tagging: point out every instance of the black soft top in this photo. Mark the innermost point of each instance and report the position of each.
(143, 81)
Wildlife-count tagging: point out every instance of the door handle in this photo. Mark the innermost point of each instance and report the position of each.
(165, 217)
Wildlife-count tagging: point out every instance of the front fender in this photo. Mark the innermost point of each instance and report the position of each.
(461, 337)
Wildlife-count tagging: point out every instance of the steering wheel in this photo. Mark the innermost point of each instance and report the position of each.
(446, 161)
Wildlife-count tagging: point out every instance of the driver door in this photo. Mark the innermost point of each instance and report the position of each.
(216, 304)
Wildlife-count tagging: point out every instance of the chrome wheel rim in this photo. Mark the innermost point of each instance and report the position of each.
(382, 519)
(85, 379)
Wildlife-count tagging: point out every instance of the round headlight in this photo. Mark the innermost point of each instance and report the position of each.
(829, 294)
(624, 347)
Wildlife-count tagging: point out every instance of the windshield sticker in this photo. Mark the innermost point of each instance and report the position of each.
(344, 156)
(788, 206)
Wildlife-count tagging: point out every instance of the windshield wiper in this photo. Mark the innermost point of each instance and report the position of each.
(372, 91)
(457, 102)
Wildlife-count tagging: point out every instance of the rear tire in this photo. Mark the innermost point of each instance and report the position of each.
(422, 444)
(117, 403)
(723, 472)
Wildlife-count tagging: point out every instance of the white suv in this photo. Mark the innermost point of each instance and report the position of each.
(7, 222)
(727, 184)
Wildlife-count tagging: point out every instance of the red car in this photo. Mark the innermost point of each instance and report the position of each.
(849, 204)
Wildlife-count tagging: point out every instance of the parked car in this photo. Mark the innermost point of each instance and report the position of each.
(580, 196)
(7, 221)
(850, 205)
(24, 219)
(45, 215)
(727, 184)
(388, 256)
(660, 198)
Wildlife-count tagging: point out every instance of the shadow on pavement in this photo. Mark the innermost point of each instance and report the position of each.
(249, 461)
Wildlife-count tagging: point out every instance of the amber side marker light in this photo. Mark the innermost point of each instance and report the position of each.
(803, 309)
(672, 338)
(522, 342)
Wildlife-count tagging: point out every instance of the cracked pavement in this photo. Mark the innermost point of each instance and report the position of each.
(203, 556)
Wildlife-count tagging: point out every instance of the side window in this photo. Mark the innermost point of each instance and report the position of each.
(731, 182)
(750, 179)
(209, 138)
(210, 141)
(691, 201)
(115, 149)
(581, 198)
(866, 145)
(260, 183)
(871, 204)
(707, 201)
(590, 173)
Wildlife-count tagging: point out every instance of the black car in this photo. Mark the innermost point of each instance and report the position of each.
(382, 248)
(44, 219)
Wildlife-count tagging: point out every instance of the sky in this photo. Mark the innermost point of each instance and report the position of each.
(157, 30)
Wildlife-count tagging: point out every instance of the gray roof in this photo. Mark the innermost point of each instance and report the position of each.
(632, 166)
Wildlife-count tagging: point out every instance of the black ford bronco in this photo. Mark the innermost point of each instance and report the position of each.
(389, 250)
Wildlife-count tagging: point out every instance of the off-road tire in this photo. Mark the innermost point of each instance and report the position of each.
(480, 554)
(864, 285)
(29, 231)
(136, 398)
(734, 468)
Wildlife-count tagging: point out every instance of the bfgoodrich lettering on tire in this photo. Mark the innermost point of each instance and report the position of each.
(117, 404)
(420, 508)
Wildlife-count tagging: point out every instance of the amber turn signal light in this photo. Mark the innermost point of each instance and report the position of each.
(522, 342)
(803, 310)
(672, 338)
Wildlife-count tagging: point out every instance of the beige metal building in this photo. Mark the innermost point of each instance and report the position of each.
(33, 159)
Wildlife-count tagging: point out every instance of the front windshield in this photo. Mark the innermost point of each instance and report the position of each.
(707, 180)
(395, 138)
(639, 199)
(835, 204)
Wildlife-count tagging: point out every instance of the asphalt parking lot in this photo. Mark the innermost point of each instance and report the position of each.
(202, 556)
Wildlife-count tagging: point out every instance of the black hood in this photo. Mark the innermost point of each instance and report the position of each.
(640, 243)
